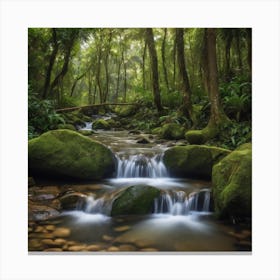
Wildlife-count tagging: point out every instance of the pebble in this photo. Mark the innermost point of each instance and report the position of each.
(61, 232)
(48, 242)
(77, 248)
(60, 242)
(34, 244)
(53, 250)
(127, 247)
(94, 247)
(39, 229)
(113, 249)
(107, 238)
(149, 250)
(50, 227)
(121, 228)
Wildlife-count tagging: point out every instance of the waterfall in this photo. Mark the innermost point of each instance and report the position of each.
(141, 166)
(179, 203)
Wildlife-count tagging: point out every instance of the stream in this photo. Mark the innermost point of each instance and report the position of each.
(181, 218)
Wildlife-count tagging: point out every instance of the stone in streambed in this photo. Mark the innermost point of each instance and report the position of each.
(121, 228)
(107, 238)
(101, 124)
(127, 248)
(94, 247)
(70, 201)
(62, 232)
(38, 212)
(193, 160)
(77, 248)
(232, 184)
(67, 153)
(53, 250)
(149, 250)
(135, 200)
(113, 249)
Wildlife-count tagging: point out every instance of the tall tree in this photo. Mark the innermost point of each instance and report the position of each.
(164, 60)
(154, 67)
(183, 73)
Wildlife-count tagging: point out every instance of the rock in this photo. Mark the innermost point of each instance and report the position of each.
(149, 250)
(50, 227)
(49, 242)
(113, 249)
(193, 161)
(135, 132)
(121, 228)
(232, 184)
(127, 248)
(156, 130)
(67, 153)
(107, 238)
(172, 131)
(40, 212)
(196, 137)
(135, 200)
(70, 201)
(59, 242)
(66, 126)
(35, 245)
(53, 250)
(101, 124)
(126, 111)
(86, 132)
(94, 247)
(62, 232)
(31, 182)
(77, 248)
(142, 140)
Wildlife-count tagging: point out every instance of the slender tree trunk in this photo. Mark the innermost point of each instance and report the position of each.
(90, 99)
(98, 75)
(249, 46)
(125, 74)
(217, 114)
(163, 60)
(118, 80)
(58, 79)
(143, 65)
(106, 93)
(75, 83)
(183, 72)
(51, 63)
(227, 55)
(154, 67)
(174, 63)
(239, 56)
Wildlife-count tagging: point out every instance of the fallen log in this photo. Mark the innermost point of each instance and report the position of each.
(93, 105)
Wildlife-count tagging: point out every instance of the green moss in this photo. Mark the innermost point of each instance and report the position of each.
(172, 131)
(232, 184)
(135, 200)
(86, 132)
(101, 124)
(195, 137)
(156, 130)
(193, 160)
(66, 126)
(67, 153)
(126, 110)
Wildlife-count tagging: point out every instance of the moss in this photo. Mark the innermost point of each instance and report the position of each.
(156, 130)
(101, 124)
(193, 160)
(86, 132)
(135, 200)
(195, 137)
(66, 126)
(67, 153)
(232, 184)
(172, 131)
(126, 111)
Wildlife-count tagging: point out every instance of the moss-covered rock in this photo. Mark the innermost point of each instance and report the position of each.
(126, 110)
(67, 153)
(86, 132)
(172, 131)
(195, 137)
(193, 161)
(101, 124)
(135, 200)
(66, 126)
(232, 184)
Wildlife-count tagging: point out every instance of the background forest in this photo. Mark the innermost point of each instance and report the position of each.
(196, 80)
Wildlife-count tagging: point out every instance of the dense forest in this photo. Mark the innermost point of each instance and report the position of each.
(197, 78)
(139, 139)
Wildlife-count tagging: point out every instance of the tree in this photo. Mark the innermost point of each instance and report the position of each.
(164, 60)
(154, 67)
(183, 73)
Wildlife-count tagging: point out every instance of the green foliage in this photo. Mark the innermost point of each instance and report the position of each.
(41, 115)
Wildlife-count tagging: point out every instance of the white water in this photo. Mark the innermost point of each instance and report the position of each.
(141, 166)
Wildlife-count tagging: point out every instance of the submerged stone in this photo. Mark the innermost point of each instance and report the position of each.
(67, 153)
(135, 200)
(193, 161)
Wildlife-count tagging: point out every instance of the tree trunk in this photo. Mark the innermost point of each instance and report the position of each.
(154, 67)
(125, 79)
(163, 59)
(227, 54)
(217, 114)
(98, 75)
(143, 65)
(249, 46)
(118, 80)
(174, 63)
(105, 95)
(75, 83)
(90, 99)
(51, 63)
(58, 79)
(183, 72)
(239, 56)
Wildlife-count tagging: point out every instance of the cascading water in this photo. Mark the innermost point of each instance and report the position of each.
(141, 166)
(179, 203)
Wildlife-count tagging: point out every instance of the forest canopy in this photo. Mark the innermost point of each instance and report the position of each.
(199, 78)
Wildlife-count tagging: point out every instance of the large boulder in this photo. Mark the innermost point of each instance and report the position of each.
(126, 110)
(232, 184)
(172, 131)
(101, 124)
(67, 153)
(193, 161)
(135, 200)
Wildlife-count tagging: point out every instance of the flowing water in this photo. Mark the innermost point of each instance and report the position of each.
(180, 219)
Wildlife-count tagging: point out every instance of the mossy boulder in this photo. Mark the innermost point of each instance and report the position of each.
(67, 153)
(66, 126)
(193, 161)
(86, 132)
(232, 184)
(101, 124)
(135, 200)
(172, 131)
(126, 110)
(196, 137)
